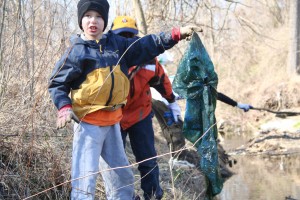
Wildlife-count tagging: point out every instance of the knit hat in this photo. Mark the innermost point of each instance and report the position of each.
(100, 6)
(124, 24)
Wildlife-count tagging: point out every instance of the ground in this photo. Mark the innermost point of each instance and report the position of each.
(276, 137)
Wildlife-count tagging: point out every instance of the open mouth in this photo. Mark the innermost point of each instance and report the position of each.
(93, 28)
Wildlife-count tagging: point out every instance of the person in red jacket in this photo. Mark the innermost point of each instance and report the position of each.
(137, 113)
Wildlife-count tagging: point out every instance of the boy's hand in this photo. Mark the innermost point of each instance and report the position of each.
(64, 116)
(187, 31)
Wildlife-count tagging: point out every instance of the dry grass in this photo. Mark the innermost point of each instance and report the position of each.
(30, 168)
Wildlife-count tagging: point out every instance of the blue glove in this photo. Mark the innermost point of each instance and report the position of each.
(245, 107)
(168, 115)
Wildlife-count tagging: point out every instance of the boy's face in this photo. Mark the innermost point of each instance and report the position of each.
(92, 25)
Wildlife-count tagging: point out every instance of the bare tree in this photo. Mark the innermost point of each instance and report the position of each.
(139, 14)
(294, 65)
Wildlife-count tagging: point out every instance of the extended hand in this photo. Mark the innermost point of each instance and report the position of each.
(187, 31)
(245, 107)
(64, 116)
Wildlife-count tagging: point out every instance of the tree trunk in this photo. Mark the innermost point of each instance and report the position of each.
(294, 65)
(140, 18)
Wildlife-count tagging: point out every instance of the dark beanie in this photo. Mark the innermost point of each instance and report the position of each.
(100, 6)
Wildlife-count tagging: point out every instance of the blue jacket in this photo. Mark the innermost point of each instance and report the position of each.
(96, 73)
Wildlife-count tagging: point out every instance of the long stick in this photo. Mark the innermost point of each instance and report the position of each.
(277, 112)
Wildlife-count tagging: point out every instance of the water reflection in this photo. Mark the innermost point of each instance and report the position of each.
(264, 178)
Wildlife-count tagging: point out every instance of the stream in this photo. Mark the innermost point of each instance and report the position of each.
(261, 177)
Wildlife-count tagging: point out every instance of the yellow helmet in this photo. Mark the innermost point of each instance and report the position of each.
(124, 24)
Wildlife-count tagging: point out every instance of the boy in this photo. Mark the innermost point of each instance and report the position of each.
(94, 69)
(137, 114)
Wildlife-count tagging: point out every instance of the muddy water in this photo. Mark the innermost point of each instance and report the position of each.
(262, 177)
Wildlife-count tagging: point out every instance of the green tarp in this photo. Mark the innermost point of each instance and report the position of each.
(196, 81)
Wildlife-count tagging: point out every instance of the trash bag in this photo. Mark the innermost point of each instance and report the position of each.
(196, 81)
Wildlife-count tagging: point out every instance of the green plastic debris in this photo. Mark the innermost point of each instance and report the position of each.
(196, 81)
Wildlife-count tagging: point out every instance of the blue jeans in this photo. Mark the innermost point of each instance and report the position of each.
(97, 149)
(141, 137)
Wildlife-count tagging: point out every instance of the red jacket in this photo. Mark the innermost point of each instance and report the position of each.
(139, 105)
